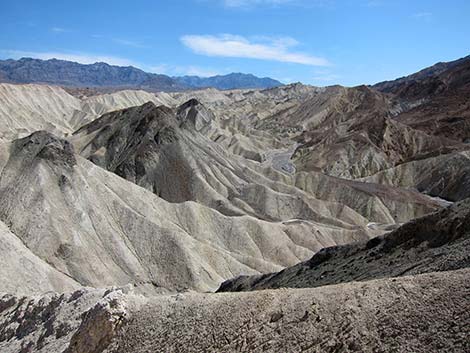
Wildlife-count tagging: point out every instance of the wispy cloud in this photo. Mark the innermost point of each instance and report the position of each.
(82, 58)
(422, 15)
(129, 43)
(263, 48)
(58, 30)
(161, 69)
(121, 41)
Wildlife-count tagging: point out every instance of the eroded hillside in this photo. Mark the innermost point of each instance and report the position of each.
(122, 213)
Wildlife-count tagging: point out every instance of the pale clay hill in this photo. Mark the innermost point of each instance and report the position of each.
(89, 205)
(118, 210)
(32, 107)
(101, 230)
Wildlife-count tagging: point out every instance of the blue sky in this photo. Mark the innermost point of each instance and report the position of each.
(320, 42)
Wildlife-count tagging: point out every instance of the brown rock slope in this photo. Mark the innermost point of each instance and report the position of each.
(437, 99)
(355, 135)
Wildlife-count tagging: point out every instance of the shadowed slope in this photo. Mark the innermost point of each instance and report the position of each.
(437, 242)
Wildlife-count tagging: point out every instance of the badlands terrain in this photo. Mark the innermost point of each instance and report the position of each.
(292, 218)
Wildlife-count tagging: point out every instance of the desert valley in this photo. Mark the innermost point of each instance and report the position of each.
(154, 216)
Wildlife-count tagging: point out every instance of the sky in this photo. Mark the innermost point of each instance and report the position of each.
(319, 42)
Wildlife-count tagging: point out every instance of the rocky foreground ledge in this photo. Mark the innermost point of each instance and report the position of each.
(421, 313)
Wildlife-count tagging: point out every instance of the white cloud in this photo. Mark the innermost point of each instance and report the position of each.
(129, 43)
(274, 49)
(423, 15)
(82, 58)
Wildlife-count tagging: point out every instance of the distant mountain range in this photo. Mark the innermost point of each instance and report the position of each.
(230, 81)
(102, 75)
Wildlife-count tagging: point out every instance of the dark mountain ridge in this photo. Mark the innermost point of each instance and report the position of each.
(394, 86)
(435, 99)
